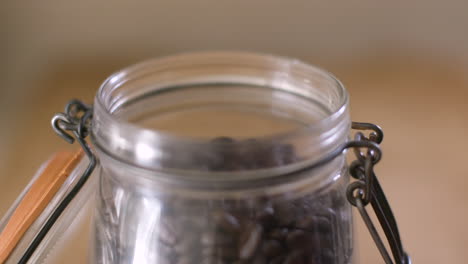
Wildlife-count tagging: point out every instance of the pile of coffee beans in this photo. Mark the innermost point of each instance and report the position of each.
(283, 232)
(308, 230)
(314, 228)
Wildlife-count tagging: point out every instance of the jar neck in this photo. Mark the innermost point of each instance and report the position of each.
(294, 89)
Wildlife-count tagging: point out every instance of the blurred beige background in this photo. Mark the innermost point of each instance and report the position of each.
(404, 63)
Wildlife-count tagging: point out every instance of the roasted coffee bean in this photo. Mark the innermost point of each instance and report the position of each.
(282, 154)
(278, 234)
(326, 256)
(295, 257)
(277, 260)
(227, 158)
(297, 239)
(272, 248)
(212, 238)
(223, 140)
(326, 240)
(287, 154)
(265, 158)
(323, 224)
(308, 223)
(226, 221)
(259, 259)
(266, 217)
(250, 240)
(208, 251)
(227, 253)
(285, 213)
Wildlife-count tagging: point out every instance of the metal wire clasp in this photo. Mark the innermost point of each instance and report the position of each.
(366, 189)
(77, 120)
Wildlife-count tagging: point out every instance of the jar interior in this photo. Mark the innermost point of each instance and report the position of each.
(208, 111)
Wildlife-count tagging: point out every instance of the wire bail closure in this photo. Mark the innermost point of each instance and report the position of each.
(365, 190)
(77, 120)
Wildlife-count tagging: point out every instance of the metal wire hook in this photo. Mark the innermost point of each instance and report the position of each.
(377, 135)
(58, 122)
(370, 145)
(74, 106)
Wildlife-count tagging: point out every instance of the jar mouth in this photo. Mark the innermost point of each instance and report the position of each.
(120, 97)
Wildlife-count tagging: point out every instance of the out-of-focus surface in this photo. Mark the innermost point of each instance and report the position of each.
(405, 66)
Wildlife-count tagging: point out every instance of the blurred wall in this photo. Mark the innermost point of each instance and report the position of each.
(37, 36)
(40, 33)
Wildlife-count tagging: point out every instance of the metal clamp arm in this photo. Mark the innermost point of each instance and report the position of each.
(76, 119)
(366, 189)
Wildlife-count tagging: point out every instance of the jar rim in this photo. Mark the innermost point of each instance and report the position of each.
(105, 119)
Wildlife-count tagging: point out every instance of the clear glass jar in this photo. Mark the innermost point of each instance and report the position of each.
(207, 158)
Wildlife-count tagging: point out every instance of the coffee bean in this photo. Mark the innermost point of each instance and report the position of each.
(226, 221)
(277, 260)
(326, 241)
(297, 239)
(272, 248)
(295, 257)
(287, 154)
(278, 234)
(266, 217)
(308, 223)
(212, 238)
(250, 240)
(327, 256)
(282, 154)
(259, 259)
(285, 213)
(223, 140)
(230, 252)
(208, 251)
(323, 224)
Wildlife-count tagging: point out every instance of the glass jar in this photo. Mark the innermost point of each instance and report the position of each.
(209, 158)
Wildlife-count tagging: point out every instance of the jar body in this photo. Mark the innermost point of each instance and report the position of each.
(136, 223)
(232, 195)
